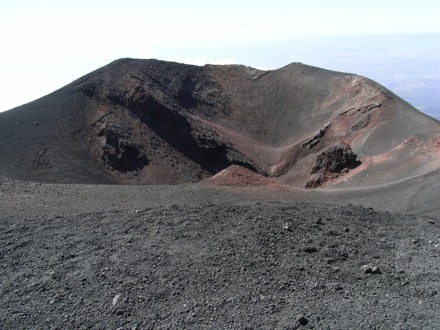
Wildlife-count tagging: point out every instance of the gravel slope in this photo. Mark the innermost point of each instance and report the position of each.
(195, 262)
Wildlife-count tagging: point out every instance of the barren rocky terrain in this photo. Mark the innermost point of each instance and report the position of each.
(156, 195)
(195, 257)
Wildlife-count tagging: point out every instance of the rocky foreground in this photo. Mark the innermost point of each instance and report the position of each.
(242, 264)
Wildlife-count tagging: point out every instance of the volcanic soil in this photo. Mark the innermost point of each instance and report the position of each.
(156, 195)
(193, 257)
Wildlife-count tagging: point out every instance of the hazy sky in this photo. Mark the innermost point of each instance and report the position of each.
(47, 44)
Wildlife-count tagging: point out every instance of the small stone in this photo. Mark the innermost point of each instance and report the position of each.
(287, 227)
(54, 299)
(338, 287)
(310, 249)
(302, 320)
(371, 269)
(115, 299)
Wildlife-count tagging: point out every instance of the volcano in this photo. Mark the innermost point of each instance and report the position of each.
(154, 122)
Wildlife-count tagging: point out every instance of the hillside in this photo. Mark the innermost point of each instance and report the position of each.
(154, 122)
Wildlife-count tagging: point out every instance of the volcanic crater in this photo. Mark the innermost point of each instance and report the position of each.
(155, 122)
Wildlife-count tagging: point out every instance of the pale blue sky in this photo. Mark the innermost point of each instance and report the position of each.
(47, 44)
